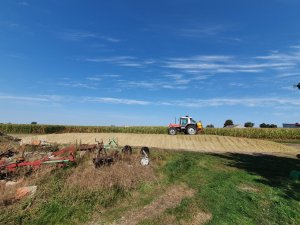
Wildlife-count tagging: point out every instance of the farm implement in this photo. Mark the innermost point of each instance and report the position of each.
(61, 158)
(107, 154)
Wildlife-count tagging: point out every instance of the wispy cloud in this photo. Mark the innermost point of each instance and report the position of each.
(248, 102)
(75, 84)
(288, 75)
(216, 64)
(101, 77)
(121, 101)
(78, 35)
(23, 98)
(151, 85)
(23, 3)
(200, 31)
(110, 39)
(195, 103)
(127, 61)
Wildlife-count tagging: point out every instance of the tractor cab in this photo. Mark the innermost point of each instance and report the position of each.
(183, 121)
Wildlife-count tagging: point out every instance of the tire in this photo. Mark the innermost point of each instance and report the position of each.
(191, 130)
(145, 150)
(172, 131)
(127, 150)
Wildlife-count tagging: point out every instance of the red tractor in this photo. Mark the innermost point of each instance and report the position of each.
(186, 125)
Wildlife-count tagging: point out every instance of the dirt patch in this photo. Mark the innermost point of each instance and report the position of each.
(199, 143)
(248, 188)
(171, 198)
(200, 218)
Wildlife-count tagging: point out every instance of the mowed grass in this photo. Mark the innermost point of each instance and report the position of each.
(231, 188)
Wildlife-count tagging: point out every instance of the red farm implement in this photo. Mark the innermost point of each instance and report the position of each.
(60, 158)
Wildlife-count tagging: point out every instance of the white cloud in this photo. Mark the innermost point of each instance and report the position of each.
(94, 78)
(195, 103)
(249, 102)
(117, 101)
(75, 84)
(288, 75)
(110, 39)
(78, 35)
(200, 31)
(24, 98)
(23, 3)
(127, 61)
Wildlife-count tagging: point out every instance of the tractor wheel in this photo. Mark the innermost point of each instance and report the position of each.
(191, 130)
(172, 131)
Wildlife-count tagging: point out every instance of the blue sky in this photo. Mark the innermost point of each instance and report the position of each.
(146, 62)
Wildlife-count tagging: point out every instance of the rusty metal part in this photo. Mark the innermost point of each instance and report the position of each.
(60, 158)
(9, 153)
(86, 147)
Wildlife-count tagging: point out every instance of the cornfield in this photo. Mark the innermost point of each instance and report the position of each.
(261, 133)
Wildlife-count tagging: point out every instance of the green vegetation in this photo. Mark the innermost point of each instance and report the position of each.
(48, 129)
(231, 188)
(270, 133)
(278, 134)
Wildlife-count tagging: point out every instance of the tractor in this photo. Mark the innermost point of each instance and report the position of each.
(186, 125)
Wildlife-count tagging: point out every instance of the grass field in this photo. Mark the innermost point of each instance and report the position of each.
(278, 134)
(178, 188)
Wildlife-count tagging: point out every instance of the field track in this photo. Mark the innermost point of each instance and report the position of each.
(200, 143)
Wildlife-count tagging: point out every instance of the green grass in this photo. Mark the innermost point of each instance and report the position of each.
(218, 181)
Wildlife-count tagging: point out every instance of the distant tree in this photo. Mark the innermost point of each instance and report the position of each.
(264, 125)
(33, 123)
(272, 126)
(249, 124)
(210, 126)
(228, 123)
(9, 123)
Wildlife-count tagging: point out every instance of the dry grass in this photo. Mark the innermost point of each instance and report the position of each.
(171, 198)
(199, 143)
(7, 194)
(123, 174)
(8, 188)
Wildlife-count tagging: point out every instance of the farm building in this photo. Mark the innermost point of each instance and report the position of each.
(291, 125)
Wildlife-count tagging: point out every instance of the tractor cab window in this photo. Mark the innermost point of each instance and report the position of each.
(183, 122)
(193, 121)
